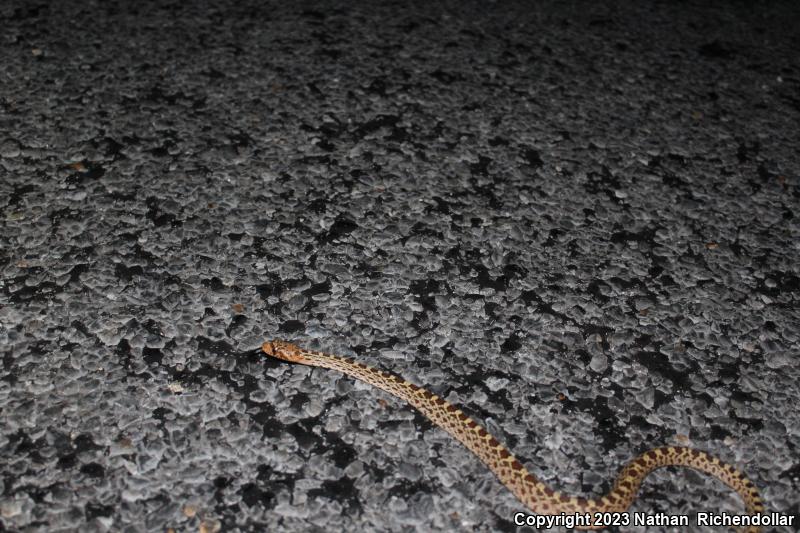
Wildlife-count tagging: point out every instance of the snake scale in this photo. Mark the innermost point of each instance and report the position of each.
(537, 496)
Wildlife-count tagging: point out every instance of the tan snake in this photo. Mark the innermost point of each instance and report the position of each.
(537, 496)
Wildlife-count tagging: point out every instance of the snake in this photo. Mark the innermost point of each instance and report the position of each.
(529, 490)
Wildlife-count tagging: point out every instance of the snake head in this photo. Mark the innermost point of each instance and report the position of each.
(283, 350)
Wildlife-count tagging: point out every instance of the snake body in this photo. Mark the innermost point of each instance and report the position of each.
(538, 497)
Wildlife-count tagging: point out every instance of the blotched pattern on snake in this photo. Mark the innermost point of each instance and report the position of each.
(537, 496)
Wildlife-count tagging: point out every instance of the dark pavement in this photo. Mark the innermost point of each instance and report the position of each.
(578, 221)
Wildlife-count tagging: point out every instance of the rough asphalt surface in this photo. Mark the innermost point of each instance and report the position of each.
(579, 222)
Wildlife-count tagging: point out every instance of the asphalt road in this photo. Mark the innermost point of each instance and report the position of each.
(578, 221)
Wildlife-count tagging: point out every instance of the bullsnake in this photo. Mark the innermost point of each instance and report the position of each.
(538, 497)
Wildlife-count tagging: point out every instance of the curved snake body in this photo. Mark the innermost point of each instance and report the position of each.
(537, 496)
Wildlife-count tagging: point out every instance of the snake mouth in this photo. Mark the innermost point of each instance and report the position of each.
(268, 348)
